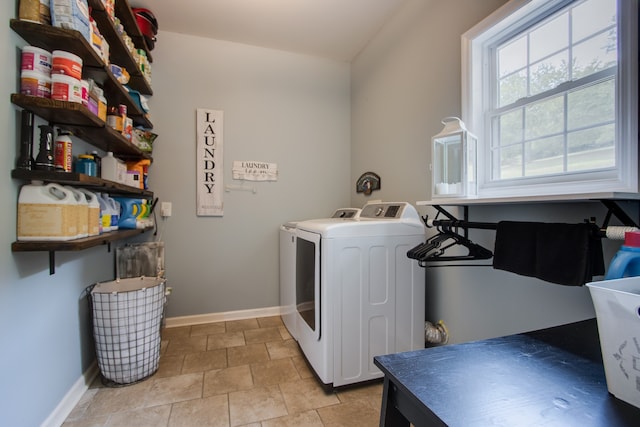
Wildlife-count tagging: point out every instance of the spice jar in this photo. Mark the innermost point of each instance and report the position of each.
(35, 11)
(114, 118)
(29, 10)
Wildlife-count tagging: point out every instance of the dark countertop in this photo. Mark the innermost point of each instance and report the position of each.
(552, 377)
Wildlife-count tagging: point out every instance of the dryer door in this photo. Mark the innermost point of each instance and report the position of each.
(308, 282)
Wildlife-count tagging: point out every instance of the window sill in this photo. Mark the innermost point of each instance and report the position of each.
(557, 198)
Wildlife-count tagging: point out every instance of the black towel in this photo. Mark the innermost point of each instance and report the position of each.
(566, 254)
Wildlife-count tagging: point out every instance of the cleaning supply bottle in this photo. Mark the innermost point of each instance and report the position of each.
(46, 212)
(82, 211)
(626, 262)
(105, 213)
(63, 151)
(129, 211)
(93, 205)
(113, 168)
(114, 208)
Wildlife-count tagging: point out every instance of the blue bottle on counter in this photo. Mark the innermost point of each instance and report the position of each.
(626, 262)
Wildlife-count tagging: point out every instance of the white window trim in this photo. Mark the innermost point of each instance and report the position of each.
(475, 76)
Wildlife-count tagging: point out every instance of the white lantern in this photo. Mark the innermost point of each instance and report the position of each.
(453, 163)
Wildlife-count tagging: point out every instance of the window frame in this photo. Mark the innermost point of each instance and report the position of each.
(477, 95)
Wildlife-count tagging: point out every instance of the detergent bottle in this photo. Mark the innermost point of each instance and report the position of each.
(105, 213)
(114, 208)
(82, 211)
(93, 205)
(145, 220)
(46, 212)
(129, 211)
(626, 262)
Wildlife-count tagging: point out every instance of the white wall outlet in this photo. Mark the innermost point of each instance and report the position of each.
(165, 209)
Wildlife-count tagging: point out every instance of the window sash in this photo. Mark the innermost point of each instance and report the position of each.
(478, 97)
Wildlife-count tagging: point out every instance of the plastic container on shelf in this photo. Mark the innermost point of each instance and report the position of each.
(114, 119)
(82, 211)
(115, 213)
(92, 104)
(36, 59)
(93, 211)
(102, 104)
(113, 168)
(138, 171)
(66, 63)
(72, 15)
(105, 213)
(130, 210)
(46, 212)
(35, 83)
(84, 94)
(626, 262)
(63, 157)
(35, 11)
(86, 165)
(98, 159)
(66, 88)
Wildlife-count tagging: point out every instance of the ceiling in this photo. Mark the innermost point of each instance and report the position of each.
(334, 29)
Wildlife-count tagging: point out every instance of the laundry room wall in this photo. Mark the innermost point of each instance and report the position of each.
(45, 335)
(279, 107)
(403, 84)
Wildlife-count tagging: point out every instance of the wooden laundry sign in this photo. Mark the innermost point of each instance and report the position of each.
(254, 171)
(209, 162)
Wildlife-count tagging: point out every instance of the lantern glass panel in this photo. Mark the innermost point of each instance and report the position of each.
(448, 164)
(472, 170)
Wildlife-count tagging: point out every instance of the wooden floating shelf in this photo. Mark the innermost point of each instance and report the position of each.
(75, 244)
(81, 180)
(81, 122)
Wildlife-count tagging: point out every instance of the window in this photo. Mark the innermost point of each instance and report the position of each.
(550, 89)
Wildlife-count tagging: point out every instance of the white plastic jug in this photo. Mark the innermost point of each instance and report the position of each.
(113, 168)
(46, 212)
(82, 211)
(94, 215)
(105, 212)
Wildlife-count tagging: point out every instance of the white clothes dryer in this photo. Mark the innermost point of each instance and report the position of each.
(358, 295)
(288, 267)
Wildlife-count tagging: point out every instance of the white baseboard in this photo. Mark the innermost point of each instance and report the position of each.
(198, 319)
(73, 396)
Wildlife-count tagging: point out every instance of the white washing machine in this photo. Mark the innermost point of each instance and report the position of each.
(288, 270)
(358, 295)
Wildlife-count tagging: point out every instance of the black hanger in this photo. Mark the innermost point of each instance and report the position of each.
(434, 248)
(423, 249)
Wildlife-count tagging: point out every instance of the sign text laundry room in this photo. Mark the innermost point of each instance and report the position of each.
(255, 171)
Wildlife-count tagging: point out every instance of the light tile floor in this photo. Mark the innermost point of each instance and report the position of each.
(226, 374)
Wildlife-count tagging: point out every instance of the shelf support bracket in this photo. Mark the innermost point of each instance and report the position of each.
(615, 210)
(52, 263)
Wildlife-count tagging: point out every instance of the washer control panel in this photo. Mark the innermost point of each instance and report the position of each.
(384, 210)
(347, 213)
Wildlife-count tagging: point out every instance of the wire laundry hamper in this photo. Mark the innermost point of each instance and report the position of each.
(127, 317)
